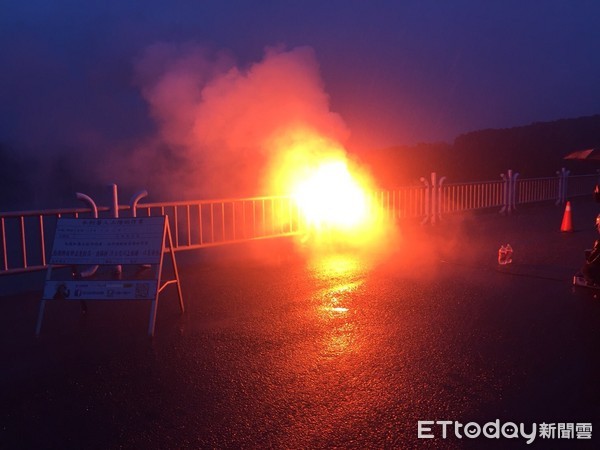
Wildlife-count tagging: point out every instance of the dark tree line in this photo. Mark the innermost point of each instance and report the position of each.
(535, 150)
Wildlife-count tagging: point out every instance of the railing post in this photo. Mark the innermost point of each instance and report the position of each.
(433, 199)
(135, 200)
(115, 201)
(433, 203)
(505, 196)
(439, 197)
(115, 214)
(514, 191)
(92, 204)
(427, 194)
(510, 191)
(563, 178)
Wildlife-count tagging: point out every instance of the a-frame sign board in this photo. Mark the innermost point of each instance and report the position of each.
(134, 245)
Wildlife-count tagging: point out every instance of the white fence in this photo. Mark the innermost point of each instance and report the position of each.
(207, 223)
(26, 235)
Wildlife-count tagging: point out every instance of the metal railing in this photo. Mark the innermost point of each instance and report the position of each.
(26, 236)
(402, 203)
(23, 237)
(581, 185)
(537, 190)
(205, 223)
(457, 197)
(195, 224)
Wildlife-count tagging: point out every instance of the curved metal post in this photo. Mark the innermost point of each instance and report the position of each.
(92, 204)
(115, 214)
(135, 200)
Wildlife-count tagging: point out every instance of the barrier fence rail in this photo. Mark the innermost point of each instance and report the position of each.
(206, 223)
(466, 196)
(536, 190)
(26, 236)
(580, 185)
(402, 203)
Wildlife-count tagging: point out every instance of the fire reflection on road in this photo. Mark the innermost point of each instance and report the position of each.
(343, 276)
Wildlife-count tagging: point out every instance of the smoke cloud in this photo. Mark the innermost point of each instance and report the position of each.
(220, 126)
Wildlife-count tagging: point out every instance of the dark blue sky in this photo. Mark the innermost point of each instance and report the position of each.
(397, 72)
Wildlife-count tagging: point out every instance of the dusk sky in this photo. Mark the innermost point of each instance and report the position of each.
(396, 72)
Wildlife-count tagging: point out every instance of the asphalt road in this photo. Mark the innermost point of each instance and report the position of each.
(279, 351)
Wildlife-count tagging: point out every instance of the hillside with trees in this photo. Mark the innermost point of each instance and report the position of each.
(535, 150)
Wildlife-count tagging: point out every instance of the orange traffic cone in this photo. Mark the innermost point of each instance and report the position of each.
(567, 225)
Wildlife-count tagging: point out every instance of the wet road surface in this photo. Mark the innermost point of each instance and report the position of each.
(336, 351)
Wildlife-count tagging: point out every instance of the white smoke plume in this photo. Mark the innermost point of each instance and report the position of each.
(220, 125)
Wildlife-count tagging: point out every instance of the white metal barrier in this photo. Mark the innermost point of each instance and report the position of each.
(199, 224)
(207, 223)
(26, 235)
(580, 185)
(466, 196)
(402, 203)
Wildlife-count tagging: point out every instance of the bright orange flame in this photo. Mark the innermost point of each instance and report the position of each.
(331, 197)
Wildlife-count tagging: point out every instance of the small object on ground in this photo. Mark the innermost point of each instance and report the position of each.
(579, 280)
(505, 254)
